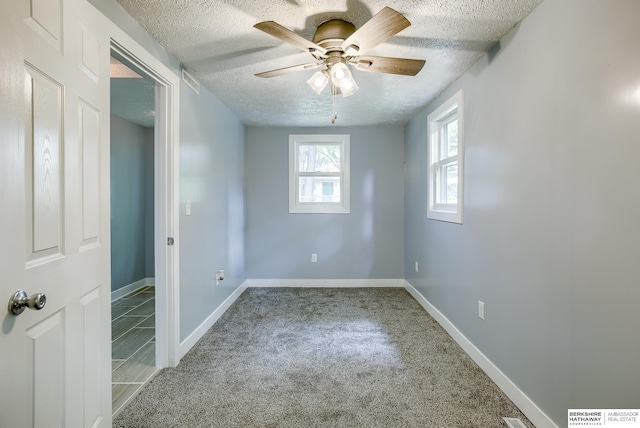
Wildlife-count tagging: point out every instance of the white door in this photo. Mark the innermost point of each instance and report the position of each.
(55, 365)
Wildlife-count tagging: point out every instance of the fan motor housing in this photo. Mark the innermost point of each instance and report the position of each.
(330, 34)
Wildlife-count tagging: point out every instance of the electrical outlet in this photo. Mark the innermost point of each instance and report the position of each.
(481, 309)
(314, 258)
(417, 268)
(219, 276)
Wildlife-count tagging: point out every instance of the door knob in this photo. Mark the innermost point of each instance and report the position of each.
(20, 300)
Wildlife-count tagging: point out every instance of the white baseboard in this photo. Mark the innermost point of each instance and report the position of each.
(519, 398)
(325, 283)
(197, 334)
(121, 292)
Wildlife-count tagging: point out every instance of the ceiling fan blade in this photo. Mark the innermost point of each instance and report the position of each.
(383, 25)
(383, 64)
(286, 70)
(276, 30)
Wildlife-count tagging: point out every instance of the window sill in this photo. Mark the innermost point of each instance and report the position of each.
(448, 216)
(319, 209)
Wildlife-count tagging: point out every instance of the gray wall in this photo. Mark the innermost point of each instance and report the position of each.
(550, 240)
(149, 221)
(212, 178)
(131, 203)
(365, 244)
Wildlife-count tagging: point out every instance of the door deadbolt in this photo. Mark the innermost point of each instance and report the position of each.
(20, 300)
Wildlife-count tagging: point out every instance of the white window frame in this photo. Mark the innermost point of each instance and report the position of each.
(437, 210)
(297, 207)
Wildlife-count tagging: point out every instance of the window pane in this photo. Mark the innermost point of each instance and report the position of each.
(319, 158)
(319, 189)
(451, 184)
(451, 133)
(327, 188)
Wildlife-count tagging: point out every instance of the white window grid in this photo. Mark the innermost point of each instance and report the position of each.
(342, 176)
(439, 207)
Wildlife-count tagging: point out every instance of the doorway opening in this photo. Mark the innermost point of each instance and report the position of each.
(143, 213)
(132, 122)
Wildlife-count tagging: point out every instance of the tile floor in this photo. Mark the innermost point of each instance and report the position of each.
(133, 350)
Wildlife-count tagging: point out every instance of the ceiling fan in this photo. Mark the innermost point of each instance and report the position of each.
(337, 43)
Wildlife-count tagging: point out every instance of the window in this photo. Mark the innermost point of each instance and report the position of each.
(319, 174)
(446, 161)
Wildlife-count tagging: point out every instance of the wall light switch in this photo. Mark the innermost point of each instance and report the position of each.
(314, 258)
(188, 208)
(417, 268)
(481, 309)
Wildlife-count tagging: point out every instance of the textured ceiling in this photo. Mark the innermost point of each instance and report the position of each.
(215, 40)
(132, 96)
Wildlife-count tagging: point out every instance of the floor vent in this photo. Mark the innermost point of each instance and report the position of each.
(191, 81)
(514, 423)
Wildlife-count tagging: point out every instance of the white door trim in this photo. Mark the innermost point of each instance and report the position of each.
(166, 201)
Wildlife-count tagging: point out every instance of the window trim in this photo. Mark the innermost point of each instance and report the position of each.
(453, 213)
(344, 206)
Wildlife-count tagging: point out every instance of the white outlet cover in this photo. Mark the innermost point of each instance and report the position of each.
(481, 309)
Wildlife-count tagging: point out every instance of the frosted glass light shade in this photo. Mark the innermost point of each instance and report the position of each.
(349, 86)
(318, 81)
(339, 72)
(341, 78)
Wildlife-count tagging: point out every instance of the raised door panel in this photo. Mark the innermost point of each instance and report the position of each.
(45, 18)
(47, 360)
(92, 356)
(44, 195)
(90, 54)
(89, 134)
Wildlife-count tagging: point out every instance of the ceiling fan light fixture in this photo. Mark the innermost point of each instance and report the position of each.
(339, 74)
(318, 81)
(341, 78)
(349, 86)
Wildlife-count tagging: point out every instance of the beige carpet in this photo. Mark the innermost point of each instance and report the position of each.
(289, 357)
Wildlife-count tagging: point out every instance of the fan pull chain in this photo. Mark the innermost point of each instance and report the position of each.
(333, 101)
